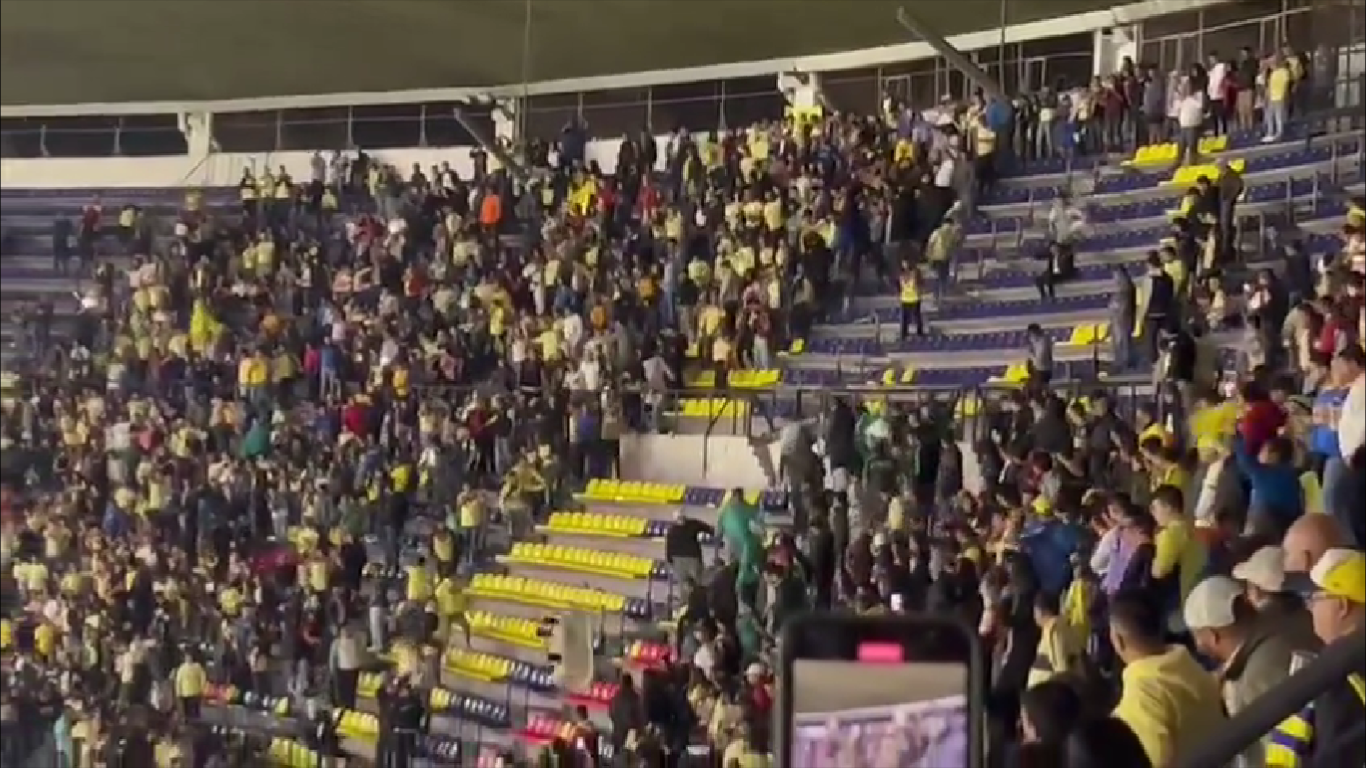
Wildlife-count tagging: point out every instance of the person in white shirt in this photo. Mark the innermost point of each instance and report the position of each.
(1190, 118)
(1349, 499)
(1218, 110)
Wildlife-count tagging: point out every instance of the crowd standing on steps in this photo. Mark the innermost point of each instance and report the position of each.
(273, 442)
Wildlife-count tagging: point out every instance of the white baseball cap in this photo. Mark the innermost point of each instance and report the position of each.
(1264, 570)
(1210, 603)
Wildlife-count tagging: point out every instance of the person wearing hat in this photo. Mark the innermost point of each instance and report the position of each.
(1263, 580)
(1328, 728)
(1253, 657)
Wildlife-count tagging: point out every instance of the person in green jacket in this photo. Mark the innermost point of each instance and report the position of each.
(741, 525)
(256, 443)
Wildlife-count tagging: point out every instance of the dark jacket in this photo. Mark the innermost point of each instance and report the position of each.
(681, 540)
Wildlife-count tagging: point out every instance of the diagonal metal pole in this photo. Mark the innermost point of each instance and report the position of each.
(917, 27)
(496, 151)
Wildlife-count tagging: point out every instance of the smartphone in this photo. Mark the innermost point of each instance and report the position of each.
(903, 691)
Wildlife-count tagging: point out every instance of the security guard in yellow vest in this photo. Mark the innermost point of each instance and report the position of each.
(1328, 729)
(910, 302)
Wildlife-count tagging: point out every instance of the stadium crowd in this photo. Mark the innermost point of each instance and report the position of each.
(270, 453)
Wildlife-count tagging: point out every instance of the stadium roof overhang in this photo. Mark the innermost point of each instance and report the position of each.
(170, 50)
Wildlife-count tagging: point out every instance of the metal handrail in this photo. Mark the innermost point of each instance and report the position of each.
(1344, 657)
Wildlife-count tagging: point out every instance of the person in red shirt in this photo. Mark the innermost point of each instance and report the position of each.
(758, 689)
(1261, 420)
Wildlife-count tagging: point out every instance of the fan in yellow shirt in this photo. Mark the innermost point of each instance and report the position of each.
(419, 587)
(452, 604)
(189, 680)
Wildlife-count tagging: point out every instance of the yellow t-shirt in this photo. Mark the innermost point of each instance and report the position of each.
(910, 290)
(471, 514)
(1278, 83)
(190, 680)
(710, 320)
(450, 599)
(318, 576)
(1176, 546)
(45, 640)
(419, 584)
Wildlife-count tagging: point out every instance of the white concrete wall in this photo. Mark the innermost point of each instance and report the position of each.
(723, 461)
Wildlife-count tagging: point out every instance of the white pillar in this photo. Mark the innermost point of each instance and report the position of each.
(1111, 46)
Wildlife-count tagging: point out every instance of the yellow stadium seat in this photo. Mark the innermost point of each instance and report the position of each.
(595, 524)
(1015, 374)
(544, 594)
(894, 377)
(797, 347)
(440, 699)
(507, 629)
(1089, 333)
(634, 492)
(358, 725)
(711, 407)
(746, 379)
(1189, 174)
(581, 560)
(477, 666)
(1165, 154)
(368, 684)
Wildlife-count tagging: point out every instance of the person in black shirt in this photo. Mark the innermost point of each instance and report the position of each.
(1161, 304)
(683, 547)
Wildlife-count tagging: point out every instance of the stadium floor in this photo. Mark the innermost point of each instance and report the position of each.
(283, 47)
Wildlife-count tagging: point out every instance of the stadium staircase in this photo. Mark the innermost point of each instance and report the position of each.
(603, 559)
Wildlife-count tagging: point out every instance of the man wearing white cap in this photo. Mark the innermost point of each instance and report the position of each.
(1263, 578)
(1253, 658)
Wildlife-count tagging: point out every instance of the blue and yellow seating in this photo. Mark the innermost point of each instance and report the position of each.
(1158, 155)
(1014, 375)
(746, 379)
(633, 492)
(553, 595)
(895, 377)
(1187, 175)
(582, 560)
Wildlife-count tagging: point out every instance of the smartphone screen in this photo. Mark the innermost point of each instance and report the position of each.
(883, 692)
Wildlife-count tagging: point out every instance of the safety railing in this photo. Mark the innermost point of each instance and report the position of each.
(1339, 660)
(967, 410)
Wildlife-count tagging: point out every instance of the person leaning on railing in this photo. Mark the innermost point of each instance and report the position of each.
(1328, 730)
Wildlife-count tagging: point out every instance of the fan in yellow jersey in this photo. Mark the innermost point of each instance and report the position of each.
(189, 680)
(452, 604)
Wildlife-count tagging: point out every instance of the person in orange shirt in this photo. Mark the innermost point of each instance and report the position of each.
(491, 211)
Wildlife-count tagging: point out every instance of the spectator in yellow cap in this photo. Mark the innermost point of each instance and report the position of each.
(1327, 730)
(1335, 591)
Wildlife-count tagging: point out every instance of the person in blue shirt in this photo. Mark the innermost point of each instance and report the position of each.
(1277, 500)
(1325, 447)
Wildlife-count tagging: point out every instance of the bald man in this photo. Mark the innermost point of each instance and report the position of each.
(1308, 538)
